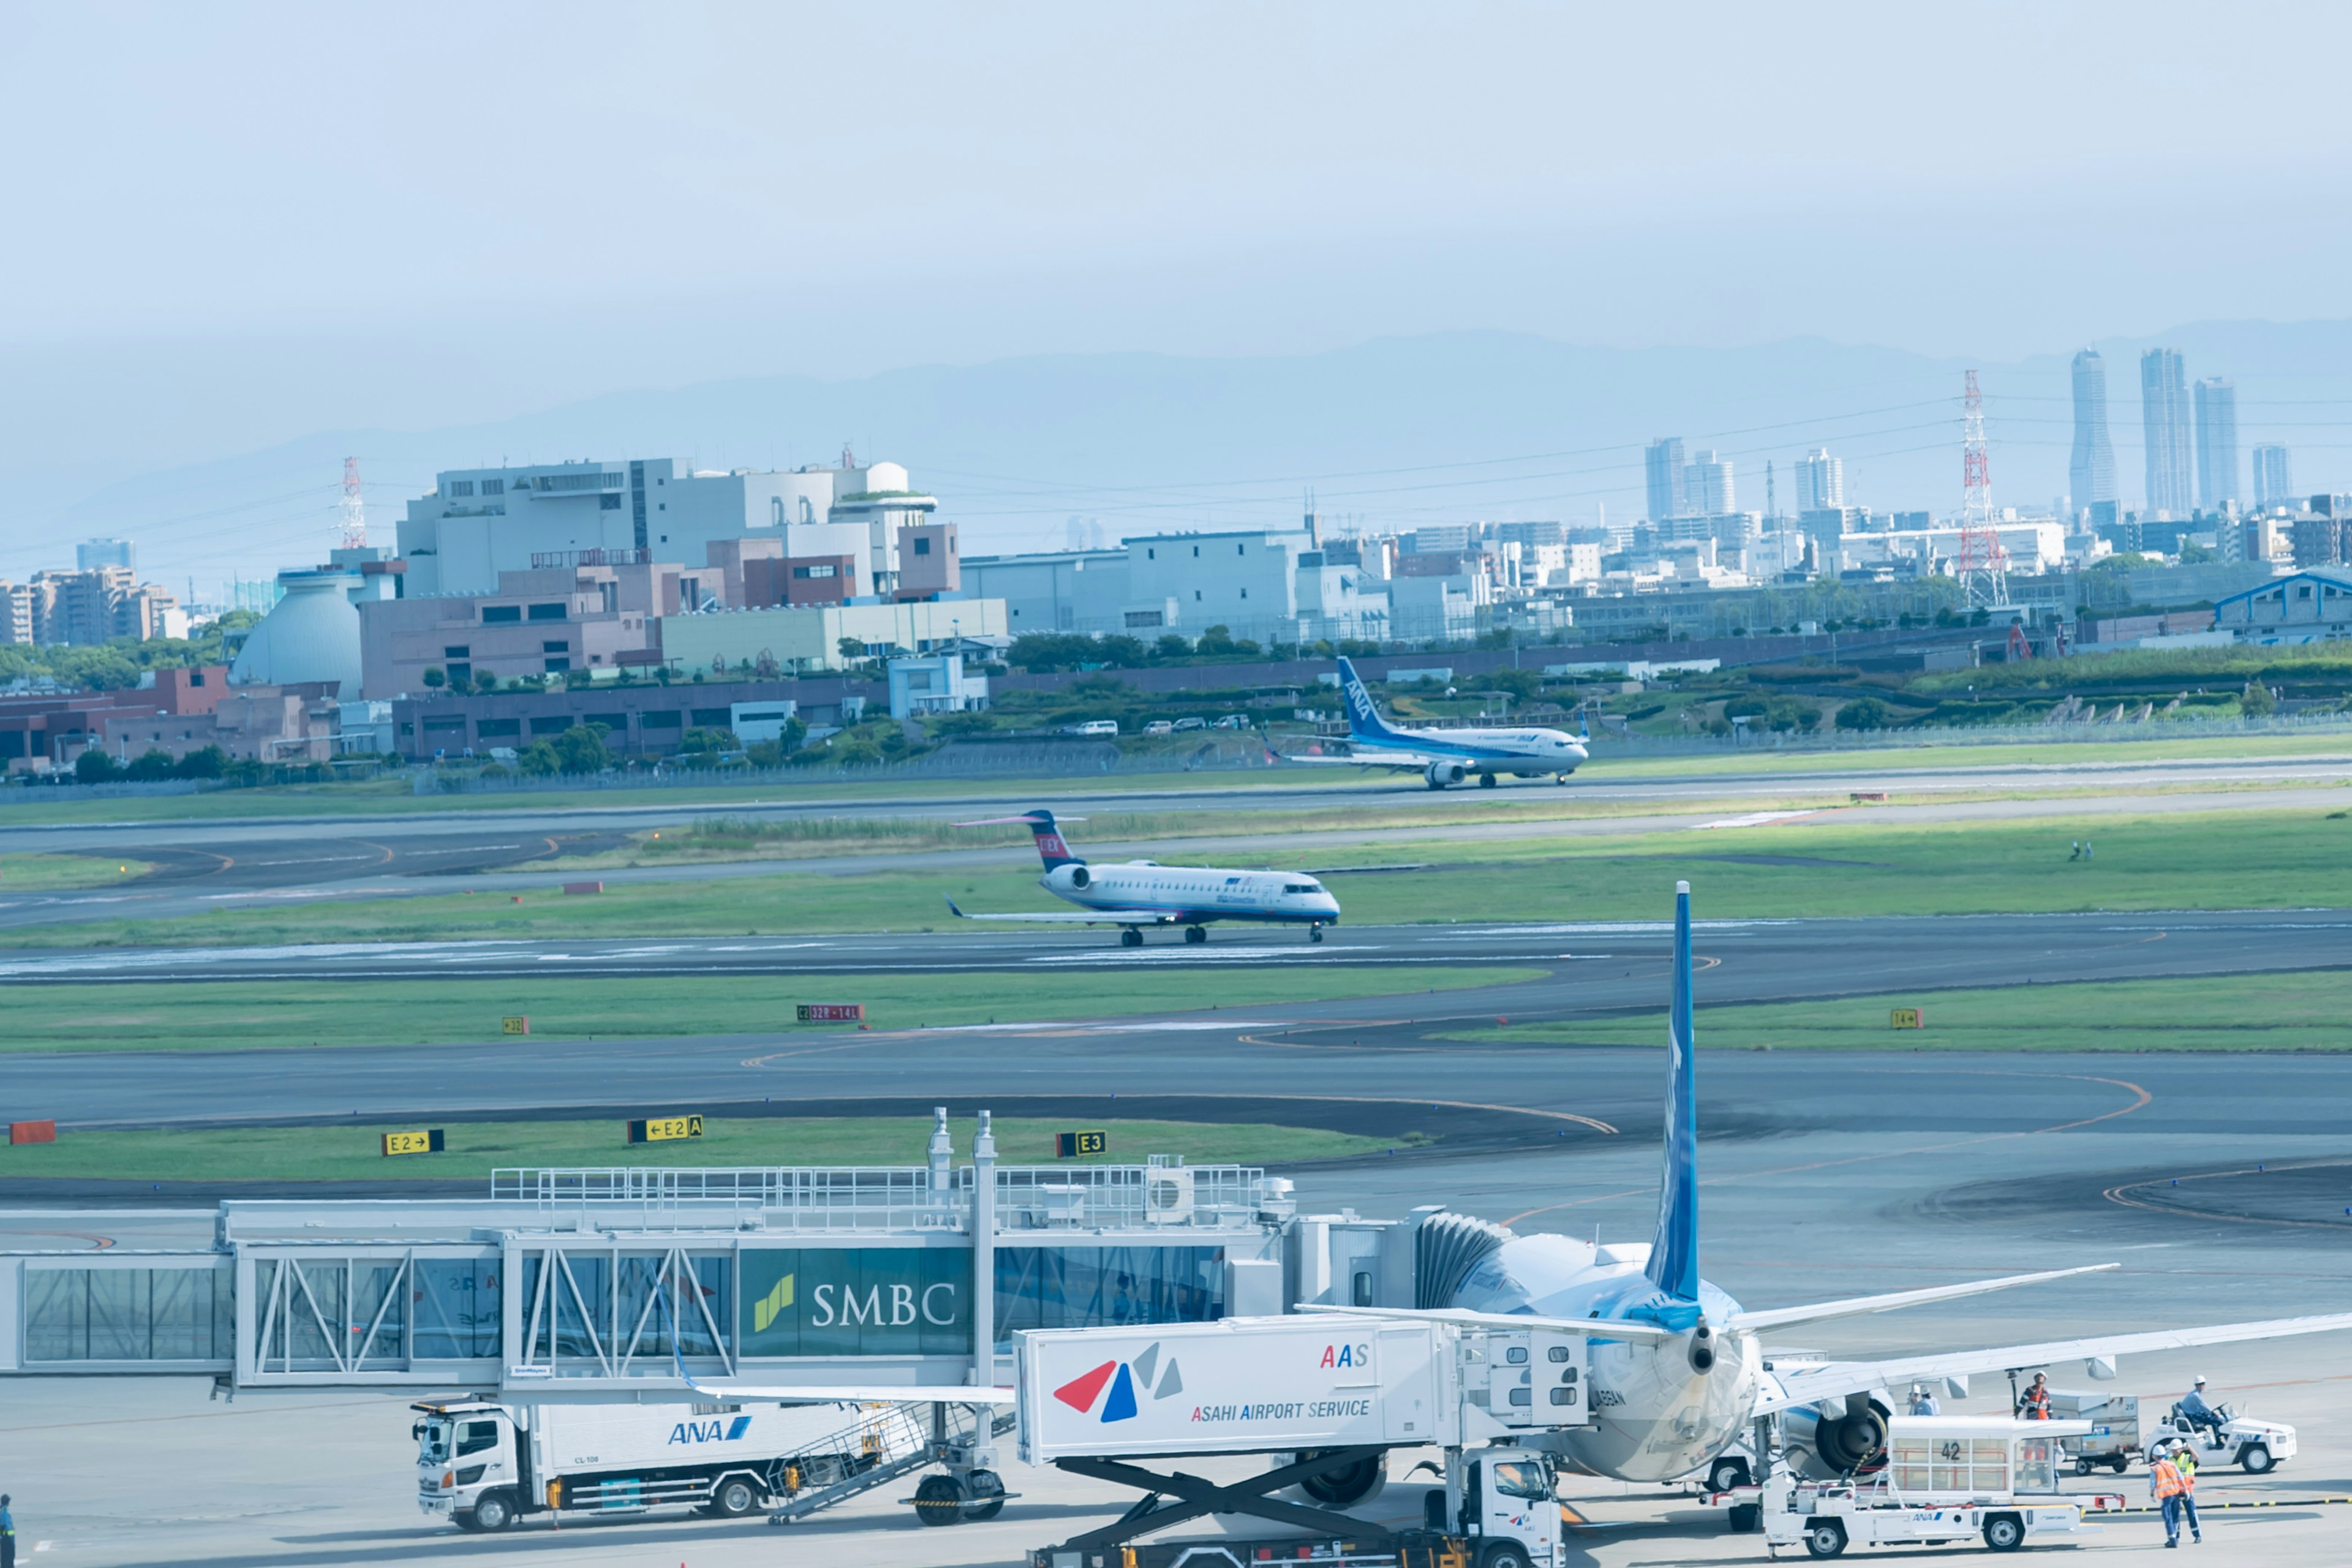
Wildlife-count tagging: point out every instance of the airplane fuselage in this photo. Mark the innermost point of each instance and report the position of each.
(1659, 1411)
(1524, 754)
(1194, 895)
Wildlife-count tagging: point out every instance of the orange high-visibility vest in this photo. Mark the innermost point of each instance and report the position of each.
(2168, 1482)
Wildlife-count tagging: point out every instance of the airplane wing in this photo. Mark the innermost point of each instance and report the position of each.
(1401, 762)
(1598, 1328)
(1804, 1384)
(1858, 1306)
(1080, 917)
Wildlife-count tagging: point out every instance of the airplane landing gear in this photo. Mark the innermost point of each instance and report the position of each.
(1315, 933)
(1196, 933)
(1486, 780)
(1130, 937)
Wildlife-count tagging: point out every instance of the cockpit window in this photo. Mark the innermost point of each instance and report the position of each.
(1300, 887)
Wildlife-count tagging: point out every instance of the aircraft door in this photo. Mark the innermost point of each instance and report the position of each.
(1537, 1379)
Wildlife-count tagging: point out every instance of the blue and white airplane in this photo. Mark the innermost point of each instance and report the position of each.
(1446, 756)
(1676, 1369)
(1132, 894)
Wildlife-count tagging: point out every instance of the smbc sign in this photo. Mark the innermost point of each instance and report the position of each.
(870, 1300)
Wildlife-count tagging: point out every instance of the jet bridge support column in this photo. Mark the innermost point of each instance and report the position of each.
(983, 1256)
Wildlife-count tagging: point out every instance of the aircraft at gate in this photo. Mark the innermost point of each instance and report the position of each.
(1446, 756)
(1133, 894)
(1679, 1370)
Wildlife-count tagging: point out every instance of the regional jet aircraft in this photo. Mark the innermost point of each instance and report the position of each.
(1678, 1369)
(1446, 756)
(1132, 894)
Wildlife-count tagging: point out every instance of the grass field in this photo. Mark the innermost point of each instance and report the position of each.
(1839, 863)
(268, 1015)
(47, 873)
(2299, 1012)
(472, 1148)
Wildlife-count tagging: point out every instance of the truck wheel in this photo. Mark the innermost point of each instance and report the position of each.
(1747, 1518)
(1825, 1538)
(493, 1511)
(1504, 1554)
(985, 1492)
(1725, 1473)
(2120, 1463)
(2004, 1532)
(2085, 1465)
(939, 1500)
(734, 1498)
(464, 1522)
(2255, 1459)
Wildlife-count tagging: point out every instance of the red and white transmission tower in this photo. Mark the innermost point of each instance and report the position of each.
(1984, 564)
(354, 510)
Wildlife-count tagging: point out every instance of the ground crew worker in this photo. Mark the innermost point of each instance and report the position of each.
(2184, 1460)
(7, 1534)
(2033, 1405)
(1923, 1402)
(2168, 1485)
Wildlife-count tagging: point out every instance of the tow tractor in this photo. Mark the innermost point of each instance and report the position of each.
(1946, 1477)
(2121, 1431)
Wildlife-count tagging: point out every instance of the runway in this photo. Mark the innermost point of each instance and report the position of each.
(209, 868)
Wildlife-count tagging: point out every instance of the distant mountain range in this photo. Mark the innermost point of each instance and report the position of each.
(1400, 431)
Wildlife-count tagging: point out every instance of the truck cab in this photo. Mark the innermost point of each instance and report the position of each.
(1507, 1514)
(470, 1464)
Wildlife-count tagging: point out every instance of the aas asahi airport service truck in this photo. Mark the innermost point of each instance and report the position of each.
(1327, 1395)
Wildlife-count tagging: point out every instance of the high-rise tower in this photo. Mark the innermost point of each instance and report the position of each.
(2273, 480)
(1663, 463)
(2090, 471)
(1820, 481)
(2164, 415)
(2217, 443)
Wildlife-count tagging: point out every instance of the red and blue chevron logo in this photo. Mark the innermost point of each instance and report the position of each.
(1114, 1384)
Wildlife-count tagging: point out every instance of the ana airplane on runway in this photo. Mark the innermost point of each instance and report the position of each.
(1676, 1369)
(1446, 756)
(1133, 894)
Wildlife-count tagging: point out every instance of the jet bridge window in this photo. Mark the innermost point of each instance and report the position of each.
(174, 1313)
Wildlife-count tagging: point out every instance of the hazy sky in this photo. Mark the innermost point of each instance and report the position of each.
(238, 224)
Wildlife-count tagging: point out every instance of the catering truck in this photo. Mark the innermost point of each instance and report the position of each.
(1326, 1397)
(483, 1465)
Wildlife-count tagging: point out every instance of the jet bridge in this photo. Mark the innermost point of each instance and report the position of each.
(622, 1284)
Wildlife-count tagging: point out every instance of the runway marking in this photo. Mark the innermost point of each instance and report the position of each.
(2143, 1100)
(1758, 818)
(384, 849)
(97, 1243)
(2116, 1195)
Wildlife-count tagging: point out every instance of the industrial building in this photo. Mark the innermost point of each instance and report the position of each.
(2311, 605)
(645, 718)
(1267, 584)
(480, 522)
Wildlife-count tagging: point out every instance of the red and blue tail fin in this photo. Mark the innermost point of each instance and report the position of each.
(1673, 1255)
(1048, 832)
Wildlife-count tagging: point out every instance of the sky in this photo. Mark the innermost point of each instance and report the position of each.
(241, 224)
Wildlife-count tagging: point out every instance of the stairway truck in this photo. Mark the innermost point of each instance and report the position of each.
(1324, 1396)
(483, 1465)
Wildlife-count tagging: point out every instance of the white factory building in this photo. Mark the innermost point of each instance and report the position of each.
(1271, 585)
(480, 522)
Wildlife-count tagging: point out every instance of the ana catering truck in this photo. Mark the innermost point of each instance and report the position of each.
(1327, 1396)
(484, 1465)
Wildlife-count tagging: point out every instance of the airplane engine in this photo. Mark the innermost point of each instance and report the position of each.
(1825, 1447)
(1079, 877)
(1440, 774)
(1700, 1348)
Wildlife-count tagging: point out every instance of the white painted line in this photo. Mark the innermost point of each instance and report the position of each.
(1754, 819)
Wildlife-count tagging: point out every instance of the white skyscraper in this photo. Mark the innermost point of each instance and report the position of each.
(2274, 484)
(1707, 485)
(1820, 481)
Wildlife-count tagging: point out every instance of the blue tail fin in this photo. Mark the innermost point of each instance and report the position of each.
(1674, 1256)
(1363, 719)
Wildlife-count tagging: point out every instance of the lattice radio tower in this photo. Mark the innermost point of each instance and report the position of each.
(353, 509)
(1983, 565)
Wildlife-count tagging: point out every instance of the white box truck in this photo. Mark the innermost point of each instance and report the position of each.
(483, 1465)
(1327, 1396)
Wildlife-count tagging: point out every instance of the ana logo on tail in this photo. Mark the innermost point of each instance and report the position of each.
(1122, 1378)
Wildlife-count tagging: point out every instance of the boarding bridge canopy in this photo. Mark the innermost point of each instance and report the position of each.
(619, 1283)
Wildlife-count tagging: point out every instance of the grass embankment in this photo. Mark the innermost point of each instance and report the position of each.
(1846, 863)
(51, 873)
(268, 1015)
(2303, 1012)
(472, 1148)
(1935, 749)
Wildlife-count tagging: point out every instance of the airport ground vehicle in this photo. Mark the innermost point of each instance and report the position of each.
(2123, 1429)
(1328, 1394)
(484, 1465)
(1947, 1477)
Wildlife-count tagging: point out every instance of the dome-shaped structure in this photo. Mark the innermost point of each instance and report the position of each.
(314, 634)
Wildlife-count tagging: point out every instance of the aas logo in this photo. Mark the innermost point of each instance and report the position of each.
(1122, 1378)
